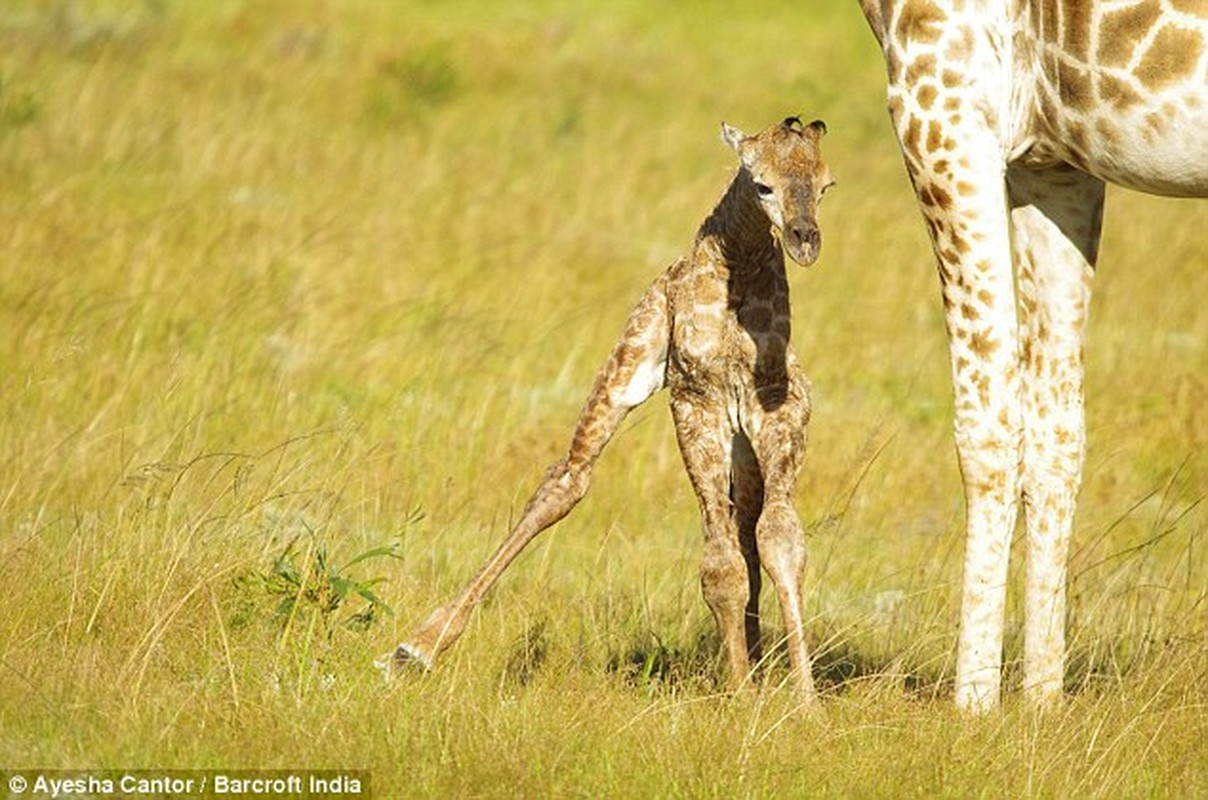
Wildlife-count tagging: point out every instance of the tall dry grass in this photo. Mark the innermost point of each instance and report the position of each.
(290, 283)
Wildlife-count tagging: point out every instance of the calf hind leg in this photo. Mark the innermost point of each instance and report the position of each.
(563, 487)
(633, 372)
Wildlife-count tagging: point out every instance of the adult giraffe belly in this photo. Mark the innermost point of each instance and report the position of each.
(1122, 92)
(1160, 151)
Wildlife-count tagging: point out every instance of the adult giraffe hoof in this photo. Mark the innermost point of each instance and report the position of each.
(404, 657)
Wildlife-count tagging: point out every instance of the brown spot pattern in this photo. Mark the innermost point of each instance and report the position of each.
(1120, 31)
(926, 96)
(1074, 86)
(982, 344)
(1076, 35)
(921, 67)
(1050, 19)
(1117, 91)
(935, 136)
(1196, 8)
(1172, 56)
(920, 21)
(914, 133)
(942, 198)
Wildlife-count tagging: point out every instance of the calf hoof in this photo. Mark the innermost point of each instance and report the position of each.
(405, 657)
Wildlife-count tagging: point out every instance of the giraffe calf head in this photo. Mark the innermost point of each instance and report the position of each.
(788, 178)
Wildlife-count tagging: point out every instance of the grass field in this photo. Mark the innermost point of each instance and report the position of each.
(285, 285)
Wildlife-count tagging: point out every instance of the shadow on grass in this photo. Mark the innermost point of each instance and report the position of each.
(527, 655)
(644, 661)
(647, 661)
(842, 665)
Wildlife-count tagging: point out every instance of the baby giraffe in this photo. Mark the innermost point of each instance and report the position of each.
(714, 329)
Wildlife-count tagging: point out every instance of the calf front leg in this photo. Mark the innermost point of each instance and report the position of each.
(779, 443)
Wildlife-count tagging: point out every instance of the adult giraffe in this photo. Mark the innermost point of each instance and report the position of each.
(1011, 115)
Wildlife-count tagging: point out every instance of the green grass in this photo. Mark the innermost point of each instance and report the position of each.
(283, 278)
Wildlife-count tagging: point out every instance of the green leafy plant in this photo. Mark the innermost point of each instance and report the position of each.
(307, 581)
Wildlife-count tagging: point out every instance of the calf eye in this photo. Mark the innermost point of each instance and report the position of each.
(763, 189)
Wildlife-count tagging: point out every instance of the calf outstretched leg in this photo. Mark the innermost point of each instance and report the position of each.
(635, 370)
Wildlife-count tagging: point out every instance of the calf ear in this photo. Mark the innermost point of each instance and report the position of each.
(732, 136)
(818, 128)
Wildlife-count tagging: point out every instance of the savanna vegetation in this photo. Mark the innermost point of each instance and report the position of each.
(298, 300)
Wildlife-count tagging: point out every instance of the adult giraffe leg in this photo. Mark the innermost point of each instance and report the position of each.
(1056, 216)
(955, 162)
(979, 304)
